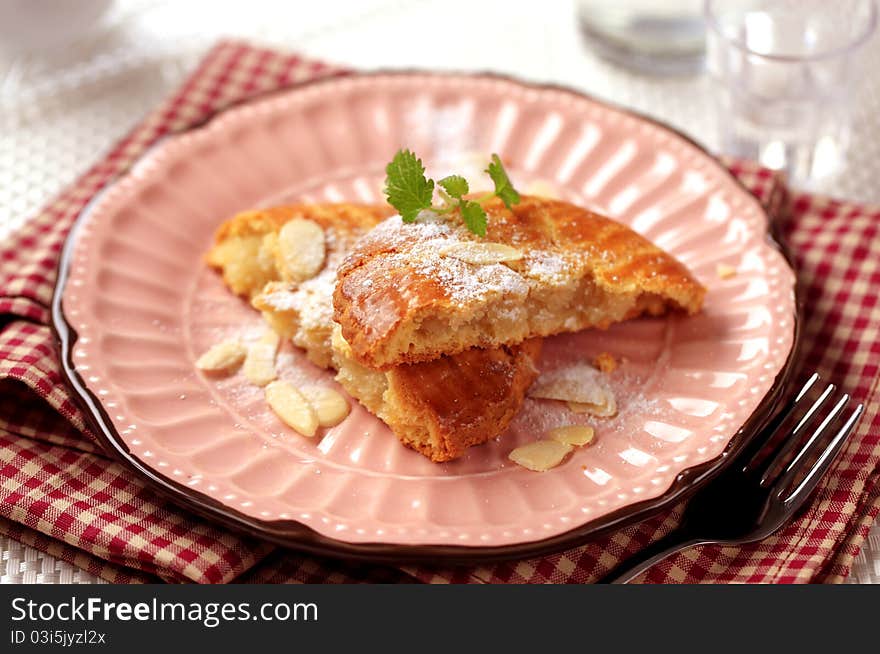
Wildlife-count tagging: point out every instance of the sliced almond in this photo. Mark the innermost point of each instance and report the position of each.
(301, 250)
(480, 253)
(259, 364)
(580, 385)
(293, 409)
(329, 406)
(607, 410)
(725, 271)
(575, 435)
(222, 357)
(540, 456)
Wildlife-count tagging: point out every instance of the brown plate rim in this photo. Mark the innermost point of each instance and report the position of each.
(295, 535)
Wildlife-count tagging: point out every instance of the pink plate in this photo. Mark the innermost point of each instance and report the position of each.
(136, 306)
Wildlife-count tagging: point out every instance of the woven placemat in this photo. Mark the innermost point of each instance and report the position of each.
(25, 565)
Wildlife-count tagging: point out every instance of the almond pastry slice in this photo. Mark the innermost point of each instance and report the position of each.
(293, 409)
(301, 250)
(222, 357)
(440, 408)
(481, 253)
(407, 294)
(540, 456)
(259, 364)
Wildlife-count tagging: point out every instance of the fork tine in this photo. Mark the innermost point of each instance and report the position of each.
(807, 386)
(808, 448)
(751, 451)
(809, 414)
(789, 443)
(808, 484)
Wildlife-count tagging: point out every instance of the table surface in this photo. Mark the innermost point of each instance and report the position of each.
(59, 111)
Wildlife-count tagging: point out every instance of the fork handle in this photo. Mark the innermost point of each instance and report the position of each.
(673, 542)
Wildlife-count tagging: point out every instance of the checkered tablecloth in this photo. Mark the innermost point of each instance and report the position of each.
(60, 496)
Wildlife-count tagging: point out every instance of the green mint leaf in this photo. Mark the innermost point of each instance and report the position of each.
(455, 185)
(406, 187)
(474, 217)
(503, 187)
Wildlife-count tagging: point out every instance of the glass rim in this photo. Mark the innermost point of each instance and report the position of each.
(713, 22)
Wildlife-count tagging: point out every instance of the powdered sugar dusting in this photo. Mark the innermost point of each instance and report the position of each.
(409, 256)
(312, 300)
(579, 382)
(419, 246)
(546, 266)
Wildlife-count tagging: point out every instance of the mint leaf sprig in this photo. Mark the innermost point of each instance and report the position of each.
(410, 192)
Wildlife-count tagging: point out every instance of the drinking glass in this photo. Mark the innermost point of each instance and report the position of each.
(651, 36)
(786, 74)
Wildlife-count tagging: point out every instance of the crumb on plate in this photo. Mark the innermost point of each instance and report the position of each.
(725, 271)
(605, 362)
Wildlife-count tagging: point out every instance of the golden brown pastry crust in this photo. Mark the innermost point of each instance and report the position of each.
(399, 299)
(455, 402)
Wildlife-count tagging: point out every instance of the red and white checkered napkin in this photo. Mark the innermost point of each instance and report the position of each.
(61, 494)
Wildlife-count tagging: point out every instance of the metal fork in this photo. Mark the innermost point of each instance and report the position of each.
(762, 488)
